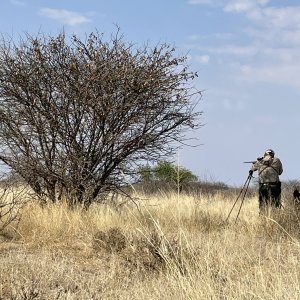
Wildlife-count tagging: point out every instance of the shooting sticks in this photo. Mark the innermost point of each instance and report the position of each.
(244, 192)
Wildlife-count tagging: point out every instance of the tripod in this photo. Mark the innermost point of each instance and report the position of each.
(243, 192)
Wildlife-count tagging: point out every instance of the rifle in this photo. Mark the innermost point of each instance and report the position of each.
(253, 161)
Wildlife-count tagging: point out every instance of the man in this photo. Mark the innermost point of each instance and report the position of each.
(269, 168)
(296, 195)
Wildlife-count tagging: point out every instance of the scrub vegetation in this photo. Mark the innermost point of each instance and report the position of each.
(163, 246)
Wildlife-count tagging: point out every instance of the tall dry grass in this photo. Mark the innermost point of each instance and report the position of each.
(169, 247)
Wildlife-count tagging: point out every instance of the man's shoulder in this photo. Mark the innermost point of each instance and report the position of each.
(277, 161)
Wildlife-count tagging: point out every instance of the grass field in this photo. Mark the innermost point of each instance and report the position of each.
(169, 247)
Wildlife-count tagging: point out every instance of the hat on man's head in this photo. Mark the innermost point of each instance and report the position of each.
(270, 152)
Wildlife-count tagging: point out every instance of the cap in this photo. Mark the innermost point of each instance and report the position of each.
(270, 152)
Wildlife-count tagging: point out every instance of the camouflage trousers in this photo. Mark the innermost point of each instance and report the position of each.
(270, 195)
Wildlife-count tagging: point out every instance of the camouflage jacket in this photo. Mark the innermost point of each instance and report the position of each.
(269, 168)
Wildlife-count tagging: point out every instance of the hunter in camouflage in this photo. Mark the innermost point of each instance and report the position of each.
(269, 168)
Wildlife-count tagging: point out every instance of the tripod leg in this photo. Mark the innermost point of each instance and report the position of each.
(246, 182)
(243, 199)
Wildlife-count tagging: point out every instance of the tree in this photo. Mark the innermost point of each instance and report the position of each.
(167, 172)
(78, 116)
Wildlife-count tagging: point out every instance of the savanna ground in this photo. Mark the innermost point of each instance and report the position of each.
(166, 247)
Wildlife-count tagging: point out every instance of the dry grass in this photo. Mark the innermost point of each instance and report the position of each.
(170, 248)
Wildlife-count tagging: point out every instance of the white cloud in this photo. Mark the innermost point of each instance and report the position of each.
(239, 6)
(231, 50)
(244, 5)
(279, 74)
(266, 16)
(285, 17)
(267, 50)
(203, 59)
(288, 38)
(64, 16)
(231, 5)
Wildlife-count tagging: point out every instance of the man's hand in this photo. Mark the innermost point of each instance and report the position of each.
(250, 172)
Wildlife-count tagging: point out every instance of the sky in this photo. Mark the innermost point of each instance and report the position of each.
(246, 53)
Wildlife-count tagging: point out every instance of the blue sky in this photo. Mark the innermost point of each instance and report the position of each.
(246, 52)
